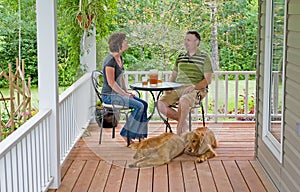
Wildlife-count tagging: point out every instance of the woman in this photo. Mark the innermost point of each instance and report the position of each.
(114, 90)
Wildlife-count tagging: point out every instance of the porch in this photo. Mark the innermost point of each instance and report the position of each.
(41, 157)
(94, 167)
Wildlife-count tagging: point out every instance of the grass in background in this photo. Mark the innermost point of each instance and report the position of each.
(34, 95)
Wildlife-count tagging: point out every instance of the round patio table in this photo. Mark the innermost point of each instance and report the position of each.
(164, 86)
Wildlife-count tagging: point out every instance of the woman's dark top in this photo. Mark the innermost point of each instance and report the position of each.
(111, 62)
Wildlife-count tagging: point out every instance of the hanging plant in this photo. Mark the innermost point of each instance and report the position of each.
(85, 14)
(79, 19)
(71, 30)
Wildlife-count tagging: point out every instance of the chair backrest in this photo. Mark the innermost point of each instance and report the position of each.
(96, 79)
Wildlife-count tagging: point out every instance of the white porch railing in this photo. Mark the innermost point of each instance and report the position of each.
(228, 99)
(25, 155)
(75, 113)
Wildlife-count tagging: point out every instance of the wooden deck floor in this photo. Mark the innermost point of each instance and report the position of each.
(94, 167)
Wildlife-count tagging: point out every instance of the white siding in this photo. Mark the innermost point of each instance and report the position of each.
(286, 175)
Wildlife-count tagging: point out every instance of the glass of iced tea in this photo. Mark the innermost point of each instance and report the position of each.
(144, 81)
(159, 81)
(153, 77)
(160, 77)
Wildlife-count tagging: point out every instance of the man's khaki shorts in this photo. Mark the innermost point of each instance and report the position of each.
(172, 97)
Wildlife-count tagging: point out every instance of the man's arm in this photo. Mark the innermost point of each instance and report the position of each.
(173, 76)
(205, 82)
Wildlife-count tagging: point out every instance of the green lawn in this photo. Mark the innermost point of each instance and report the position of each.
(34, 95)
(211, 95)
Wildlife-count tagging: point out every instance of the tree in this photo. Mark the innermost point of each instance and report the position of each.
(214, 37)
(228, 30)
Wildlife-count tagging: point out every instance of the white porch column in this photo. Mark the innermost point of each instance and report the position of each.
(88, 48)
(48, 78)
(88, 61)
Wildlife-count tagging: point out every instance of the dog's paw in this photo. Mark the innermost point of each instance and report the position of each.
(132, 165)
(201, 159)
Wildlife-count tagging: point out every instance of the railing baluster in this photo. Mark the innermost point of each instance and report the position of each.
(246, 94)
(236, 100)
(9, 176)
(216, 97)
(126, 78)
(226, 94)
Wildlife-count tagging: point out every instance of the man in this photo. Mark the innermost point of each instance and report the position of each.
(194, 70)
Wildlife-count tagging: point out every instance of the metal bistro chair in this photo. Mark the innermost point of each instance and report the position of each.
(115, 108)
(198, 104)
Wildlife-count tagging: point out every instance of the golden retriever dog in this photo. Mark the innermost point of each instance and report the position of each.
(157, 150)
(201, 143)
(187, 136)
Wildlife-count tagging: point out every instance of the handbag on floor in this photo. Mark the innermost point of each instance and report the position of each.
(110, 119)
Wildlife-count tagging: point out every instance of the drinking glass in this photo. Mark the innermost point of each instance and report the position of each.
(153, 77)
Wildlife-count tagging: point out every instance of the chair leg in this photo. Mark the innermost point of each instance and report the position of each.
(127, 131)
(113, 135)
(203, 119)
(190, 119)
(113, 126)
(101, 129)
(167, 125)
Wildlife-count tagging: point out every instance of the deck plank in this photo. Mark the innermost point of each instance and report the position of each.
(86, 176)
(220, 176)
(190, 176)
(100, 178)
(160, 179)
(71, 176)
(145, 180)
(115, 177)
(263, 177)
(129, 180)
(236, 178)
(250, 176)
(175, 177)
(205, 177)
(65, 167)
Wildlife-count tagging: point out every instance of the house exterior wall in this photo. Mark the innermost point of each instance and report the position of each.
(285, 175)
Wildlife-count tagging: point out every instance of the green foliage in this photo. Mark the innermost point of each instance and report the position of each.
(238, 35)
(69, 35)
(158, 27)
(9, 38)
(155, 33)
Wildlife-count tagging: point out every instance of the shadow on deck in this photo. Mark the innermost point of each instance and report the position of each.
(94, 167)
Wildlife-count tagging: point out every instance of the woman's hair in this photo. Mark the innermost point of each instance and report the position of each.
(193, 32)
(115, 41)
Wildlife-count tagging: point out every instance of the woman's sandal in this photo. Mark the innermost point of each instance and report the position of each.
(141, 139)
(130, 140)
